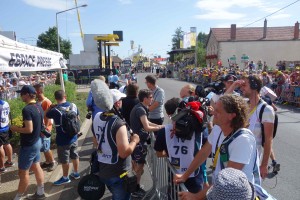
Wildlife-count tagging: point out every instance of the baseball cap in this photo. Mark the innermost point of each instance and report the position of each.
(231, 184)
(116, 95)
(27, 89)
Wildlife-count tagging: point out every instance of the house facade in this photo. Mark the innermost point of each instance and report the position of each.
(242, 45)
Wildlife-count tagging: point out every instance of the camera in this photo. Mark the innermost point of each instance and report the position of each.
(89, 115)
(216, 87)
(46, 133)
(90, 112)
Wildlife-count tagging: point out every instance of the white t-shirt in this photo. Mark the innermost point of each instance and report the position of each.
(241, 150)
(255, 126)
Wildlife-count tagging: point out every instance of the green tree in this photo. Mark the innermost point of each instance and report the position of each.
(48, 40)
(202, 37)
(176, 38)
(201, 53)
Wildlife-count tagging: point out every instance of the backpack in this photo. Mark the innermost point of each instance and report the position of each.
(69, 121)
(262, 126)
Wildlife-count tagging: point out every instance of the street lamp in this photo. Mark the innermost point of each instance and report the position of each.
(58, 43)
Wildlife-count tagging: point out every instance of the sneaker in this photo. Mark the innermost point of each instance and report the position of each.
(2, 170)
(9, 164)
(75, 175)
(36, 196)
(62, 181)
(140, 193)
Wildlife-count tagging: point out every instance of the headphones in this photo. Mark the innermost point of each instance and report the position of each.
(253, 83)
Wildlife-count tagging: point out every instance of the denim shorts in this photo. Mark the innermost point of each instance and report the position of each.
(29, 155)
(115, 186)
(66, 152)
(45, 144)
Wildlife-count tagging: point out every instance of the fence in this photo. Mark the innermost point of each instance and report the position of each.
(10, 93)
(162, 175)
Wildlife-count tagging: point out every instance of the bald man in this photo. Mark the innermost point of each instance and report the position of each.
(186, 92)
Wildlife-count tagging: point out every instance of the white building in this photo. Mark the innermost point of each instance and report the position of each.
(270, 44)
(89, 57)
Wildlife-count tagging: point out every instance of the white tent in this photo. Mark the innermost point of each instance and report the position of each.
(16, 56)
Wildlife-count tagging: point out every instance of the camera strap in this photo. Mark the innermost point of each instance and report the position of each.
(42, 119)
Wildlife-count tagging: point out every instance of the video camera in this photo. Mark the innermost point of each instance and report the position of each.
(188, 120)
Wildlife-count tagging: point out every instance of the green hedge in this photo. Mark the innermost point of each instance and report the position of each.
(16, 105)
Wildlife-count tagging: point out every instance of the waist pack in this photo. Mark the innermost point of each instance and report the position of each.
(69, 121)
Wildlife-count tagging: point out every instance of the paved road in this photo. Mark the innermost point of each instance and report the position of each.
(285, 145)
(286, 184)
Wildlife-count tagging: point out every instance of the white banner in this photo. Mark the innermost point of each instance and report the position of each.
(16, 56)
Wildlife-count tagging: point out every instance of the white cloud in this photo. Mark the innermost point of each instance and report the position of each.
(234, 9)
(49, 5)
(224, 15)
(56, 5)
(125, 1)
(280, 16)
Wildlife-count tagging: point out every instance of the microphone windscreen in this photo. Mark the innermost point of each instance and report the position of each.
(101, 95)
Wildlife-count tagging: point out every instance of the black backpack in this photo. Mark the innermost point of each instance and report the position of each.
(69, 121)
(262, 126)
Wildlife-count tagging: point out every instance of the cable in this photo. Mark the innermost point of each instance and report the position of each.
(271, 13)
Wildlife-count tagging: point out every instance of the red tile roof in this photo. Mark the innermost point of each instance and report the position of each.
(255, 33)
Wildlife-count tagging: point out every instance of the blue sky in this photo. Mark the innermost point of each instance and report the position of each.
(149, 23)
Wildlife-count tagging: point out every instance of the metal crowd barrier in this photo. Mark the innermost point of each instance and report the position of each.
(9, 93)
(162, 175)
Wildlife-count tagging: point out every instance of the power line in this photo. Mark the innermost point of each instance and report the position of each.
(272, 13)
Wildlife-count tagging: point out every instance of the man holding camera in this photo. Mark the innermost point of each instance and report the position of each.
(141, 125)
(234, 146)
(46, 141)
(114, 148)
(66, 145)
(180, 151)
(29, 155)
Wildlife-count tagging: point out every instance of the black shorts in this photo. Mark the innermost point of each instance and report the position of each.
(139, 154)
(4, 138)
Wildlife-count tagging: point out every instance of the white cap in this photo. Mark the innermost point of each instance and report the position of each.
(117, 95)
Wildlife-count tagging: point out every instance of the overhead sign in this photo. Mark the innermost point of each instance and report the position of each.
(15, 56)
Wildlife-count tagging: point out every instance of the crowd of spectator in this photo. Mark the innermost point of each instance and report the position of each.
(10, 82)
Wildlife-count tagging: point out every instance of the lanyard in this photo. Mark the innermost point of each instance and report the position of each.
(252, 111)
(217, 152)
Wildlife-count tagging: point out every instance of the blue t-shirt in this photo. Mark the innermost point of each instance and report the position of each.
(90, 103)
(4, 116)
(62, 138)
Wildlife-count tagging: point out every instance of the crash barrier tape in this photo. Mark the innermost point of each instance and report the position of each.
(162, 176)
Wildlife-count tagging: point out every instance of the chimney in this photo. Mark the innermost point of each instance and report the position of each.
(265, 29)
(233, 32)
(296, 31)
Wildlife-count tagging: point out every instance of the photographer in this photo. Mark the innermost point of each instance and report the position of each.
(185, 150)
(114, 156)
(92, 108)
(141, 125)
(233, 144)
(29, 154)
